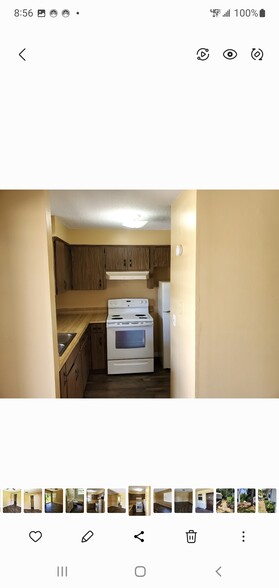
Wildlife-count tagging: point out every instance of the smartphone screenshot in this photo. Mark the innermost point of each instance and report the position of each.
(139, 288)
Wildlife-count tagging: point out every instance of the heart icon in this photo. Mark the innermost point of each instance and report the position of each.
(35, 536)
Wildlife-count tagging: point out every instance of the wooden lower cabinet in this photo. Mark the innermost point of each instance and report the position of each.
(75, 372)
(85, 351)
(98, 347)
(74, 380)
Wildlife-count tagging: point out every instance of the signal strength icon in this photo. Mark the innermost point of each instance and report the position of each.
(228, 13)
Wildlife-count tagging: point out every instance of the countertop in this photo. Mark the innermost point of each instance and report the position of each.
(77, 322)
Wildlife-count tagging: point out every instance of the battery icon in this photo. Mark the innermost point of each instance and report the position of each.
(262, 12)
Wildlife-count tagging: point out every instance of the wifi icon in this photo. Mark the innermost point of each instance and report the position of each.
(228, 13)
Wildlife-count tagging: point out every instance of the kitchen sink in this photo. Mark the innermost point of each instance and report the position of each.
(64, 339)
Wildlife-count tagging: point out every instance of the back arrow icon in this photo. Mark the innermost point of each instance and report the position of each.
(20, 54)
(218, 571)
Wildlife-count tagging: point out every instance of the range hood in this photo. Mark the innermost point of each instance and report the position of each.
(127, 275)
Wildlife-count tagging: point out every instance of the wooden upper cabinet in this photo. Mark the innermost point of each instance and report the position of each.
(119, 258)
(138, 258)
(83, 267)
(116, 258)
(63, 266)
(160, 256)
(88, 266)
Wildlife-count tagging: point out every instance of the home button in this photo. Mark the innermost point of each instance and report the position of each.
(140, 571)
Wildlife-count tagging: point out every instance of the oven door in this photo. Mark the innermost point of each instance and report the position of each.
(130, 342)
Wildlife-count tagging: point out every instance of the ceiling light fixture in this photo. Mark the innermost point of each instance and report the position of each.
(134, 222)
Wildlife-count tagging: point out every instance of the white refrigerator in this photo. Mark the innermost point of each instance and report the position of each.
(164, 323)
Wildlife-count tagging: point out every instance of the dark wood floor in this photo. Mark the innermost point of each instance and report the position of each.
(12, 508)
(53, 507)
(183, 506)
(77, 508)
(152, 385)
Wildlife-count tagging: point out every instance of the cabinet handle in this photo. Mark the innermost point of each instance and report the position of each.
(100, 341)
(130, 262)
(100, 283)
(124, 262)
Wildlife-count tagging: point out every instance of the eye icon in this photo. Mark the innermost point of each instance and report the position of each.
(230, 54)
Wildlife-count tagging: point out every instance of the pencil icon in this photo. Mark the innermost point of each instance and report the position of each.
(87, 536)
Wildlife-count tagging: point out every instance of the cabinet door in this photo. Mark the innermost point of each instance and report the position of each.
(68, 266)
(116, 258)
(88, 267)
(138, 258)
(62, 260)
(160, 256)
(85, 357)
(98, 347)
(63, 384)
(74, 380)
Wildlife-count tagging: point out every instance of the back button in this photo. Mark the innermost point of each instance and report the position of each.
(21, 54)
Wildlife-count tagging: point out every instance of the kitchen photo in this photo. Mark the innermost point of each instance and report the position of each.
(139, 294)
(139, 501)
(95, 500)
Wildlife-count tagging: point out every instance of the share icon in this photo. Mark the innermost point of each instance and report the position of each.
(138, 536)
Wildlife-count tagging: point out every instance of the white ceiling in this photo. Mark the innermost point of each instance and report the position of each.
(107, 208)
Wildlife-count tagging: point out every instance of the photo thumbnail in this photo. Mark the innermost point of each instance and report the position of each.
(246, 500)
(54, 499)
(95, 500)
(139, 501)
(117, 500)
(183, 500)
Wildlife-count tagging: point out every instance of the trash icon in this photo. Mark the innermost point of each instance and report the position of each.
(191, 536)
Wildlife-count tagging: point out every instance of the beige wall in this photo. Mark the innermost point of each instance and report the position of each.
(29, 355)
(237, 294)
(109, 236)
(183, 496)
(160, 496)
(57, 495)
(148, 500)
(59, 230)
(183, 292)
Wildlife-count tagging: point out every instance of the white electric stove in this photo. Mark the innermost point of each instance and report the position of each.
(129, 336)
